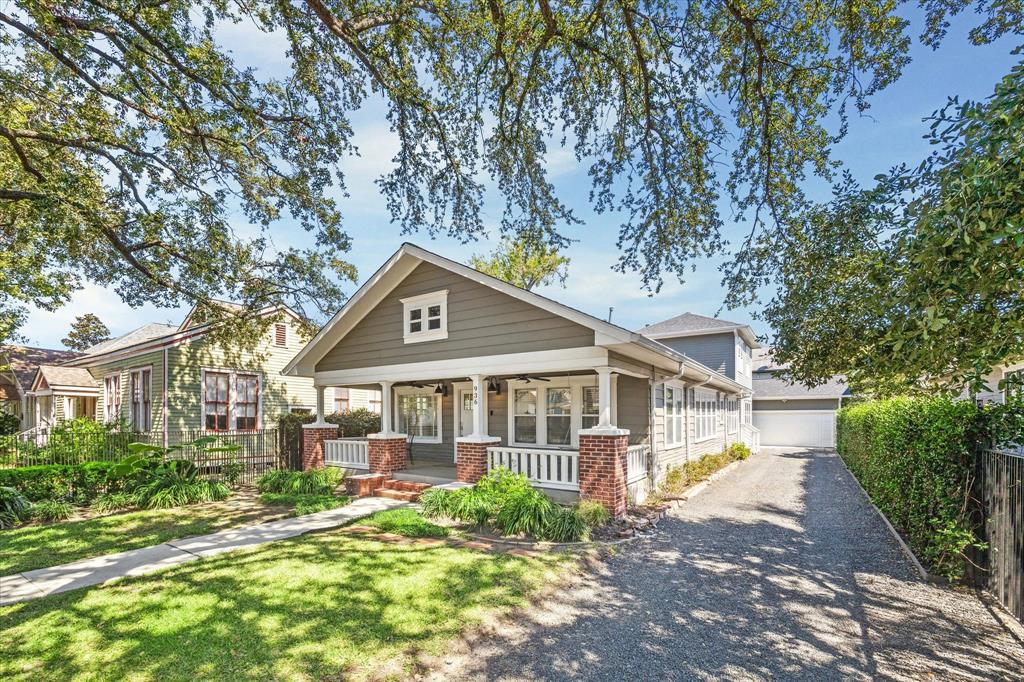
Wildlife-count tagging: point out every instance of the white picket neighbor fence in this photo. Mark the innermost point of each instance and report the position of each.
(349, 453)
(636, 462)
(555, 469)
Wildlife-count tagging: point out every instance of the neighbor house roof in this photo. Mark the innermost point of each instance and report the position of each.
(408, 256)
(778, 385)
(146, 332)
(24, 360)
(65, 377)
(692, 324)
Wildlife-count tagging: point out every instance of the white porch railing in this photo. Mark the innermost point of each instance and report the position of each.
(556, 469)
(351, 453)
(751, 437)
(636, 462)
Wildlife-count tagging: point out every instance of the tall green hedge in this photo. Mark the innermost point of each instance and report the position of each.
(915, 458)
(76, 483)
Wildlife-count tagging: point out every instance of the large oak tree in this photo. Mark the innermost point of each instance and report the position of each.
(129, 137)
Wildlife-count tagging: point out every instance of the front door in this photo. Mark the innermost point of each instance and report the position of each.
(464, 398)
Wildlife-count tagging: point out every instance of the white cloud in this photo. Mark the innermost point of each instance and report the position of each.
(46, 329)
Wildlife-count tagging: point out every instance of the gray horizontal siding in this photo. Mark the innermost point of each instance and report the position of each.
(481, 321)
(633, 407)
(717, 351)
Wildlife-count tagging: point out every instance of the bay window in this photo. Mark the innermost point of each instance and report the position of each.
(419, 415)
(552, 412)
(675, 433)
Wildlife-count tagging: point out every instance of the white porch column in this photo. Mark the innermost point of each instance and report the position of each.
(479, 406)
(386, 420)
(604, 398)
(320, 405)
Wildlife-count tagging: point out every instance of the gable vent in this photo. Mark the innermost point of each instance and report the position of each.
(280, 334)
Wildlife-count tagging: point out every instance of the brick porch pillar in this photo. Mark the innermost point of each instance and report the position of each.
(387, 452)
(471, 463)
(602, 467)
(313, 437)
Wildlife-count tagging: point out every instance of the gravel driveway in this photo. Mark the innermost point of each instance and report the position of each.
(778, 570)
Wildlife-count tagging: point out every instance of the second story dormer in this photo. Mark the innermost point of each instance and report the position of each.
(723, 346)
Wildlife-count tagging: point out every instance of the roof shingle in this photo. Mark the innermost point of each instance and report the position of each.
(25, 359)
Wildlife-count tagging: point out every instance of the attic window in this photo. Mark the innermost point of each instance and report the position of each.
(280, 334)
(425, 317)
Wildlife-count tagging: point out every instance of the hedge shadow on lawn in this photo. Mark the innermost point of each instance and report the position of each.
(324, 605)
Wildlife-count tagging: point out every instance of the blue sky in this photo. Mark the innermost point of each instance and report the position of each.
(890, 133)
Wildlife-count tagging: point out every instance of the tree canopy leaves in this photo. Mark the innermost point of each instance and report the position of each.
(524, 263)
(87, 330)
(916, 283)
(136, 153)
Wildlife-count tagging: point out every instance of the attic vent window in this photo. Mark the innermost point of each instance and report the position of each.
(280, 334)
(425, 317)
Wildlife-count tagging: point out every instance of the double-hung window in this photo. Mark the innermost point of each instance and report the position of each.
(141, 407)
(216, 400)
(342, 401)
(231, 400)
(591, 407)
(112, 397)
(559, 415)
(524, 415)
(425, 317)
(674, 423)
(247, 401)
(419, 415)
(705, 406)
(733, 415)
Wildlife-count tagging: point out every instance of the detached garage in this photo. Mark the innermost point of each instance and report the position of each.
(793, 415)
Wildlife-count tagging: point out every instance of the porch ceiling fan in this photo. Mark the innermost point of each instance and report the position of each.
(526, 378)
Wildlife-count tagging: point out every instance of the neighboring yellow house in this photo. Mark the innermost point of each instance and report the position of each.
(177, 380)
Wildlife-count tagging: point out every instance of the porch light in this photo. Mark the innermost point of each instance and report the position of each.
(493, 386)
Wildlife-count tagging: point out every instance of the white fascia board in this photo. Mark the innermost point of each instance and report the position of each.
(388, 276)
(75, 391)
(566, 360)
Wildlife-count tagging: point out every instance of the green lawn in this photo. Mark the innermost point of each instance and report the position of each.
(323, 606)
(31, 547)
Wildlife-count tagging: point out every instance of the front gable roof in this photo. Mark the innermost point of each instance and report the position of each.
(25, 360)
(409, 256)
(55, 377)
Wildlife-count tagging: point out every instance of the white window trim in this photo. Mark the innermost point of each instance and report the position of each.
(131, 398)
(710, 398)
(576, 384)
(107, 417)
(681, 417)
(232, 373)
(422, 302)
(397, 418)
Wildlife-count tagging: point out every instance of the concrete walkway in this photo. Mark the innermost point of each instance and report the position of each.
(102, 569)
(778, 570)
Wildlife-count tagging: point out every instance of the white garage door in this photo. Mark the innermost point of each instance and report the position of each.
(797, 428)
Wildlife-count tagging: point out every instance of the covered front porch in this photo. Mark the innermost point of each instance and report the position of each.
(557, 427)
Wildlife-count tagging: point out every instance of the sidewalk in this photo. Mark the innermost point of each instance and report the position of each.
(102, 569)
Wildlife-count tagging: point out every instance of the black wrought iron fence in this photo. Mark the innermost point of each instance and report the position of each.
(1000, 493)
(256, 452)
